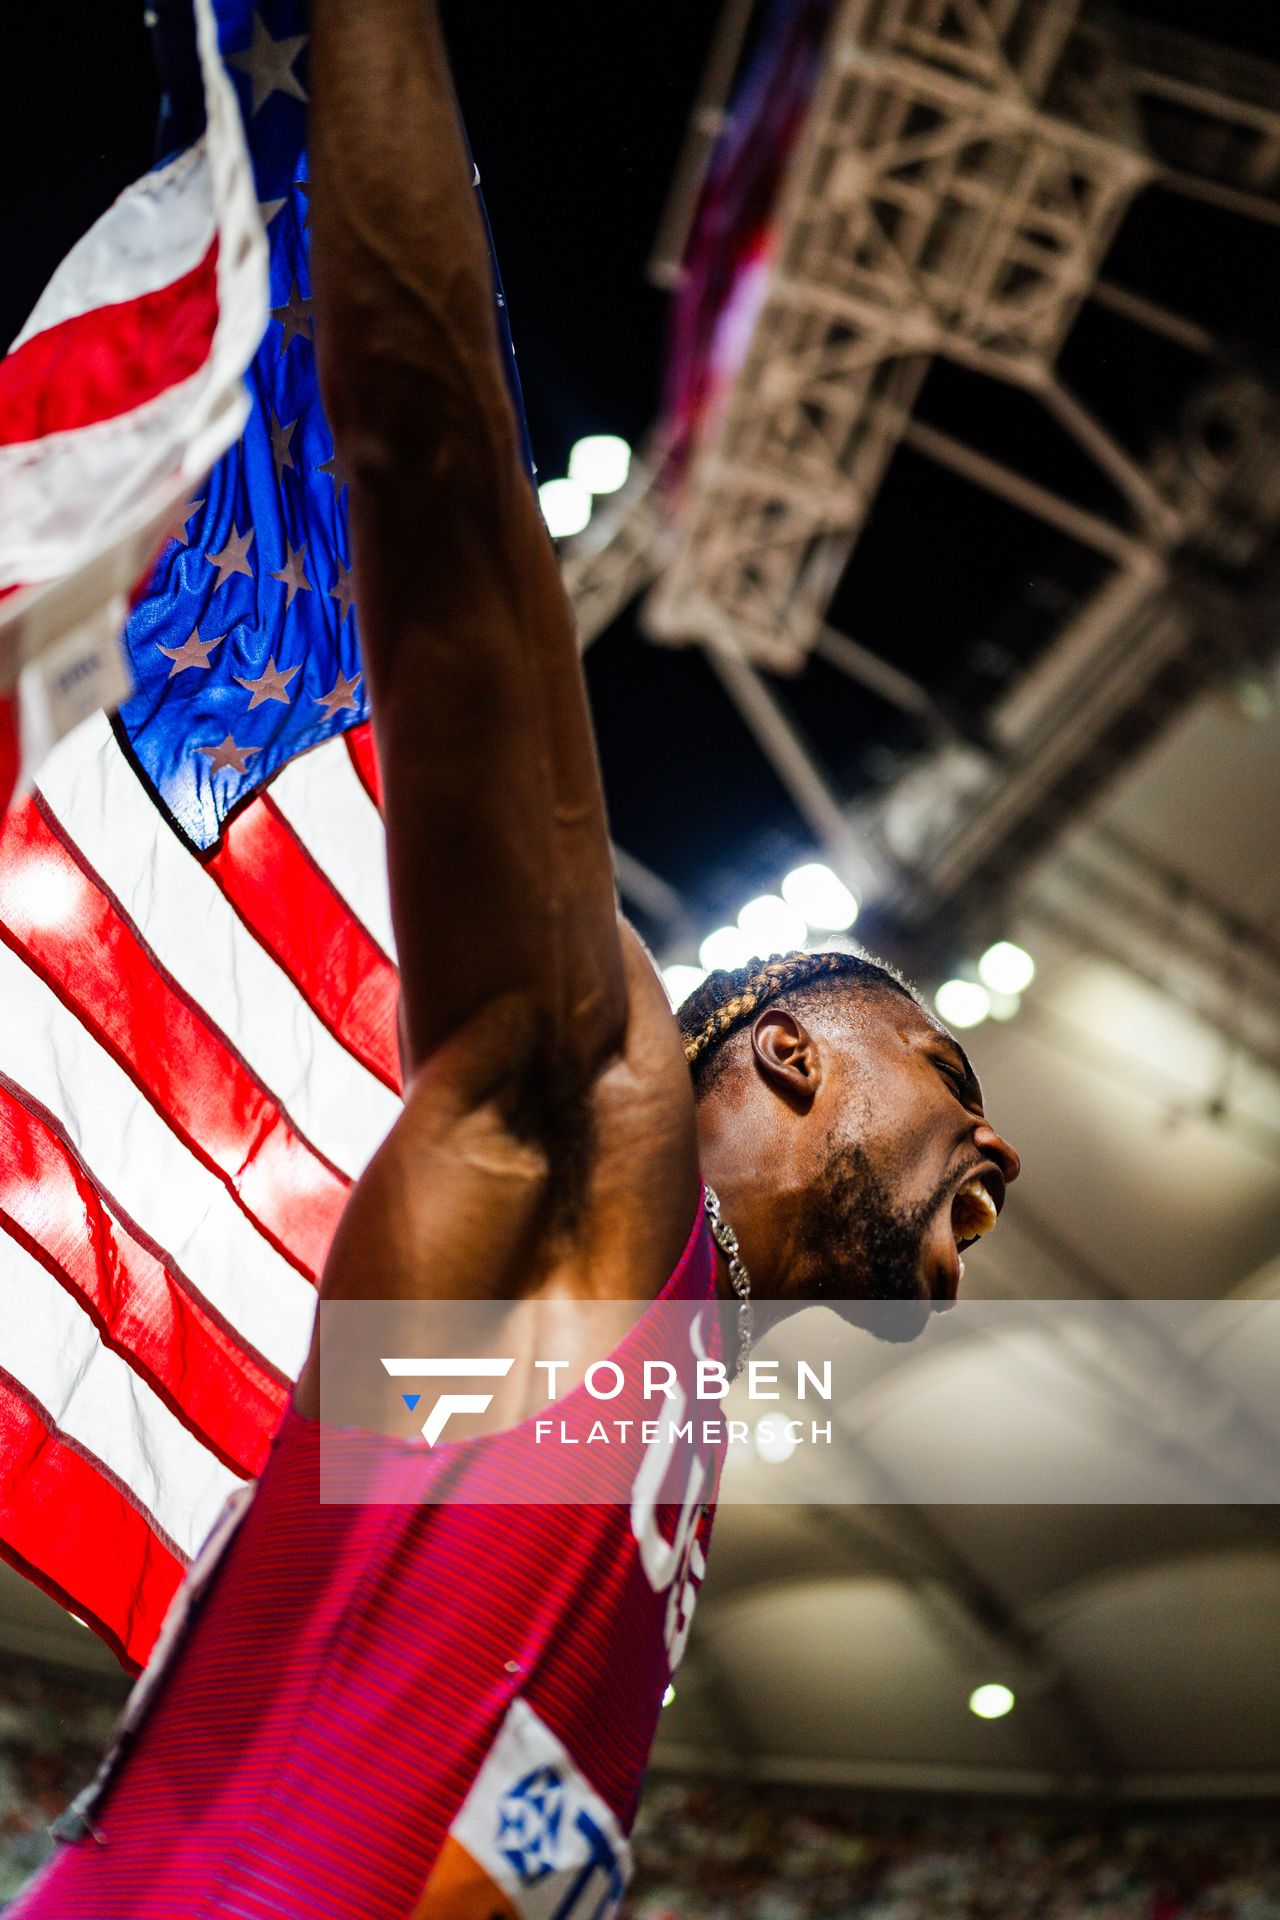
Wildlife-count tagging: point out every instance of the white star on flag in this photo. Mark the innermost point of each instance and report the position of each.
(269, 63)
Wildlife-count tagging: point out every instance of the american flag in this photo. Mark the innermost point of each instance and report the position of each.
(197, 971)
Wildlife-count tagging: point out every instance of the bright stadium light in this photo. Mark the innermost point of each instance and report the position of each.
(600, 463)
(680, 981)
(1006, 968)
(962, 1003)
(566, 507)
(1005, 1005)
(821, 897)
(771, 925)
(727, 947)
(775, 1443)
(991, 1702)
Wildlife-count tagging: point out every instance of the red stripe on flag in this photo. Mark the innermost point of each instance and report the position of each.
(98, 365)
(145, 1307)
(289, 905)
(97, 963)
(8, 748)
(364, 758)
(70, 1527)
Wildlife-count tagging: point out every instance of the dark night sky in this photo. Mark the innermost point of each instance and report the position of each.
(576, 139)
(576, 114)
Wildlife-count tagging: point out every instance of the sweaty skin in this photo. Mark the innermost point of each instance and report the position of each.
(549, 1145)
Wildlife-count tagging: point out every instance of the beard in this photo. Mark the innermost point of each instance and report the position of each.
(862, 1249)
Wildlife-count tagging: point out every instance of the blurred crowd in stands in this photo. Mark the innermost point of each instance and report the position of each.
(708, 1852)
(52, 1736)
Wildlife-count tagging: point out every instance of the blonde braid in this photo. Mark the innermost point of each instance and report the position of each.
(735, 999)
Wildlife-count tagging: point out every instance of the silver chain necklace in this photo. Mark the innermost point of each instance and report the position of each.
(739, 1279)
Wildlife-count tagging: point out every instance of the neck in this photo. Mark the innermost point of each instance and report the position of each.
(751, 1204)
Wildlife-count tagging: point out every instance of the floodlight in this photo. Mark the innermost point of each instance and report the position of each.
(566, 507)
(821, 897)
(962, 1003)
(771, 925)
(600, 463)
(1006, 968)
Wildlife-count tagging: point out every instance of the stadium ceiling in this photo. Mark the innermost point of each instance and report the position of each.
(949, 211)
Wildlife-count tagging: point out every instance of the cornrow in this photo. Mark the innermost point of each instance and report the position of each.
(728, 1000)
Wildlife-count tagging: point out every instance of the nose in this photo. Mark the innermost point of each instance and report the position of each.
(990, 1142)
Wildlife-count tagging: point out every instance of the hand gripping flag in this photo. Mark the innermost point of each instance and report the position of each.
(197, 974)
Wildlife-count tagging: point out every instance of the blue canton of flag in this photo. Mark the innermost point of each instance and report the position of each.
(244, 649)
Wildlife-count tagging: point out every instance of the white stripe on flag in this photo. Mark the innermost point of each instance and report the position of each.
(324, 800)
(184, 916)
(67, 494)
(151, 1172)
(89, 497)
(158, 230)
(53, 1348)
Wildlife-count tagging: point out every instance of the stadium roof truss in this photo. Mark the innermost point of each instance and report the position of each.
(961, 175)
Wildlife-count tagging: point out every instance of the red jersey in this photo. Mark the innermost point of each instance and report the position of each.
(397, 1712)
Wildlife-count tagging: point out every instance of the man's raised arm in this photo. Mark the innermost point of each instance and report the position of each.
(501, 884)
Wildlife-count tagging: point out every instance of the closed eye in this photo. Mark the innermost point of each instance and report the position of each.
(961, 1079)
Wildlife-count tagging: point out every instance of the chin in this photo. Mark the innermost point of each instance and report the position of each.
(897, 1320)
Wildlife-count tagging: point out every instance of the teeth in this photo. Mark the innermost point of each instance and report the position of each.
(973, 1211)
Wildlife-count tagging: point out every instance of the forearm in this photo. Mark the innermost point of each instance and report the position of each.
(495, 818)
(413, 382)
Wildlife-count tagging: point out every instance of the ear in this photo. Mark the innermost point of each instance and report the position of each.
(787, 1054)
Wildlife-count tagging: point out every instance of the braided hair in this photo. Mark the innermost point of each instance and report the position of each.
(727, 1001)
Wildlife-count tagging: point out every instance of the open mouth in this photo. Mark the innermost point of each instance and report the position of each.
(974, 1211)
